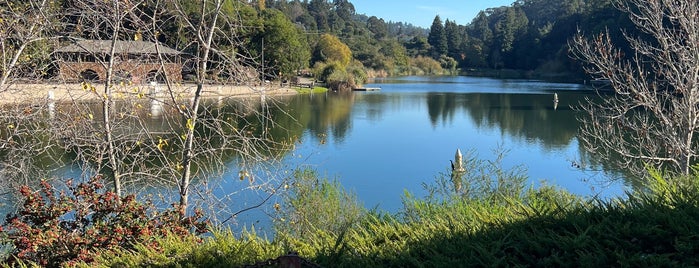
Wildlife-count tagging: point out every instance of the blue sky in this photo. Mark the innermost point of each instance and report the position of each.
(421, 13)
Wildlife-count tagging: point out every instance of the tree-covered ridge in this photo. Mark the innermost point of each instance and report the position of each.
(530, 35)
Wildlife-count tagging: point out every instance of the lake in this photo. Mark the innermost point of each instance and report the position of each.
(380, 144)
(404, 135)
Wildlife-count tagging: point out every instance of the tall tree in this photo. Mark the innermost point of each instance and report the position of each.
(418, 46)
(654, 117)
(331, 49)
(481, 42)
(438, 38)
(454, 39)
(344, 9)
(377, 27)
(112, 21)
(320, 9)
(510, 25)
(286, 50)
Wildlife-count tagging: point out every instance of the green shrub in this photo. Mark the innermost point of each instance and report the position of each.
(220, 249)
(482, 180)
(494, 221)
(312, 205)
(53, 228)
(358, 73)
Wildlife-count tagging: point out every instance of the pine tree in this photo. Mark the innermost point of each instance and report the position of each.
(454, 38)
(438, 38)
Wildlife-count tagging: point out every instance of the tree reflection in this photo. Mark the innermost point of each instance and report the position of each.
(322, 115)
(441, 107)
(528, 117)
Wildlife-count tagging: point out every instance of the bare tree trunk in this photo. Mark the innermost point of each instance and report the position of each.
(205, 36)
(107, 107)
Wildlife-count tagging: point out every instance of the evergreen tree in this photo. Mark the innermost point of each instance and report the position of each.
(377, 27)
(319, 10)
(418, 46)
(344, 9)
(438, 38)
(454, 39)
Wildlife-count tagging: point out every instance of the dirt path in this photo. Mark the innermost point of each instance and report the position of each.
(70, 92)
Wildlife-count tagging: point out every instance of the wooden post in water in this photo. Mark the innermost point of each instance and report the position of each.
(457, 171)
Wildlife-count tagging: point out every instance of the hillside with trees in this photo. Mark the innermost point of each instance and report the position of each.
(283, 36)
(529, 36)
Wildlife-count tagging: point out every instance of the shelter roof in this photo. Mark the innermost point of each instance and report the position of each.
(121, 47)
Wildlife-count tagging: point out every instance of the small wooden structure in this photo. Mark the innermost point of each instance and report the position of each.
(300, 81)
(366, 89)
(137, 61)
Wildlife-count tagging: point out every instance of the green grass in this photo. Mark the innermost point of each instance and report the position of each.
(314, 90)
(535, 227)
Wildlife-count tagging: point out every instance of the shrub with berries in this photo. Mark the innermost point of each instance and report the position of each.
(53, 228)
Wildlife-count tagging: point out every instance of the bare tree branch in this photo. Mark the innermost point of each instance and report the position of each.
(653, 117)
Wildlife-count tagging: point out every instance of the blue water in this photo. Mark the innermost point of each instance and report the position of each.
(401, 137)
(381, 144)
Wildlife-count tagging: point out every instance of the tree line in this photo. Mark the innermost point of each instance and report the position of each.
(529, 35)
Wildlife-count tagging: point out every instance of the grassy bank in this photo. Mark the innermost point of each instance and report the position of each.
(497, 227)
(484, 217)
(314, 90)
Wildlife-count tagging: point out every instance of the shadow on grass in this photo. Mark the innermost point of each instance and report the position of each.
(637, 233)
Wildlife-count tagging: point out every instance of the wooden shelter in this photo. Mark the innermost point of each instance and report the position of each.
(137, 61)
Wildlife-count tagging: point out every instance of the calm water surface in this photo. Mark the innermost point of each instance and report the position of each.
(383, 143)
(380, 144)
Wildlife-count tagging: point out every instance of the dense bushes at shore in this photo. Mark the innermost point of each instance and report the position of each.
(327, 226)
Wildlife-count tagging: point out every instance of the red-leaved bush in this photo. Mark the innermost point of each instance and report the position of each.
(53, 228)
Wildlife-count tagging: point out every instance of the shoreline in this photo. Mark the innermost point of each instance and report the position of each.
(34, 92)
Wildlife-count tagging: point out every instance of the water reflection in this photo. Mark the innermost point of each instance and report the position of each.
(377, 143)
(530, 117)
